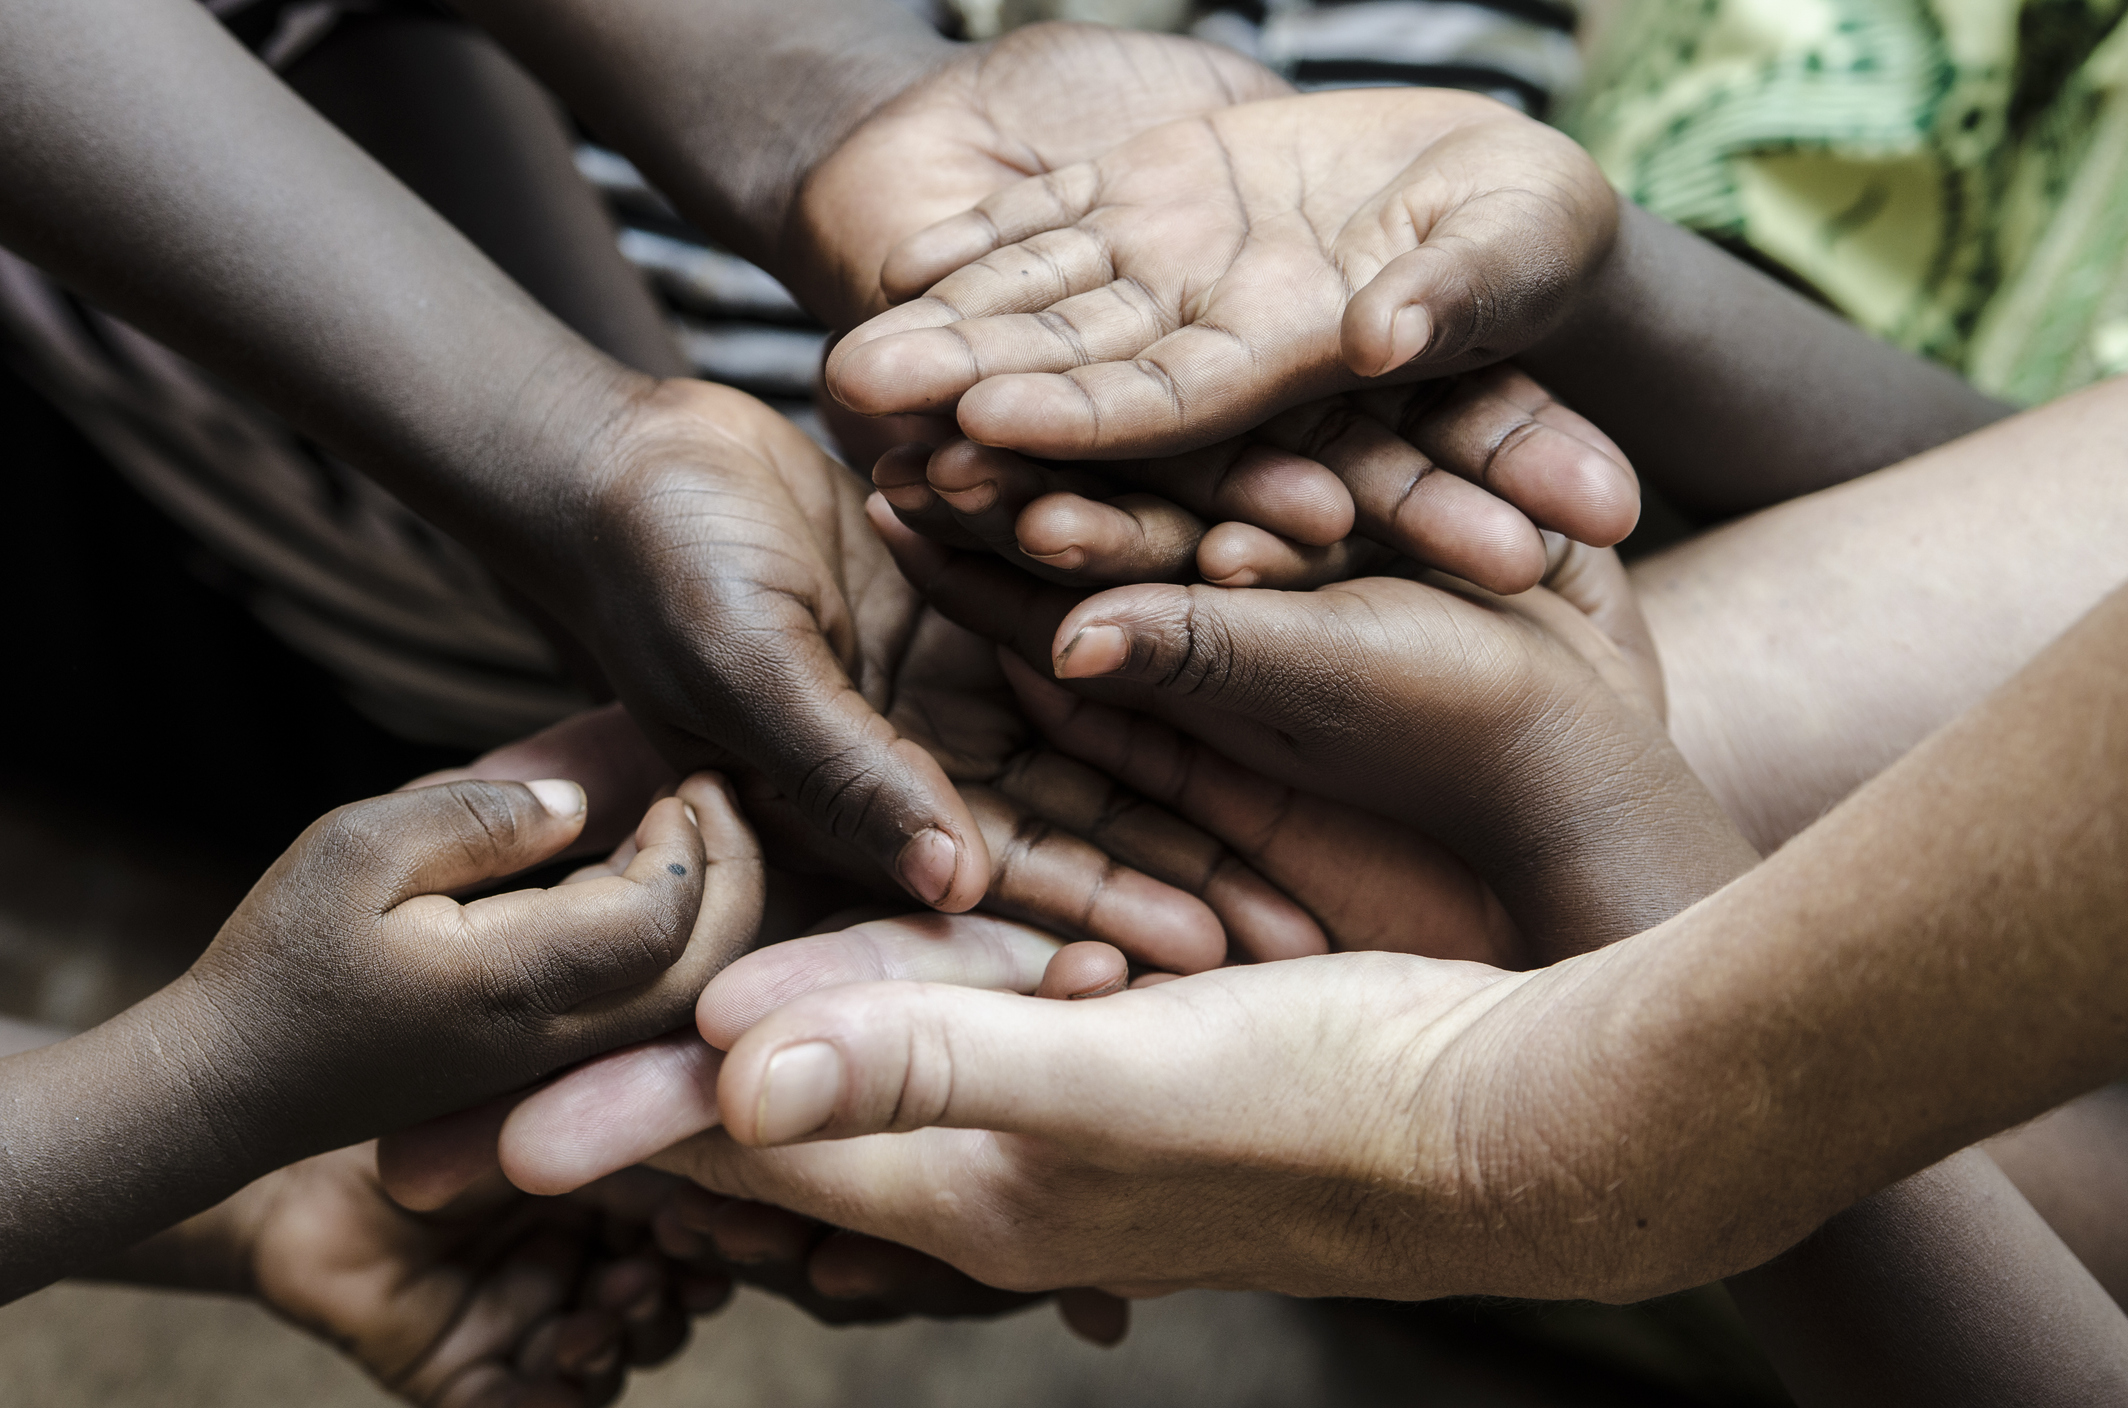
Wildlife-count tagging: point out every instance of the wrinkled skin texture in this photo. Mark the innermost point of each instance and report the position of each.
(1332, 489)
(496, 1301)
(799, 571)
(1196, 279)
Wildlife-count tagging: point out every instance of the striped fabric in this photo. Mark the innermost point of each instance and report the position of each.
(416, 631)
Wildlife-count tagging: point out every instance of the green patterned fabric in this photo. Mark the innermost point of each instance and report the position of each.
(1952, 174)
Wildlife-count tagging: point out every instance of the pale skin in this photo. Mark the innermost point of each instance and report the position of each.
(1337, 1230)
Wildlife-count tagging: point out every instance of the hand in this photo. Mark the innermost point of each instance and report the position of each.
(1042, 97)
(1540, 738)
(809, 655)
(1334, 489)
(605, 1115)
(498, 1300)
(348, 995)
(1209, 273)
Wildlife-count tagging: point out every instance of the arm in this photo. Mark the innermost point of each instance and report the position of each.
(1809, 646)
(158, 168)
(725, 106)
(347, 996)
(1729, 391)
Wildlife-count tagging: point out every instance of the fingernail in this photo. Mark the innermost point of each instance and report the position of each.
(692, 819)
(798, 1092)
(1095, 650)
(1409, 332)
(1069, 559)
(908, 498)
(601, 1362)
(563, 800)
(976, 499)
(926, 864)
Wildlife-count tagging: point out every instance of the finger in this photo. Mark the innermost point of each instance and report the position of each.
(968, 950)
(734, 891)
(1244, 555)
(1402, 499)
(978, 592)
(1490, 274)
(986, 489)
(609, 1113)
(890, 1057)
(601, 750)
(1069, 537)
(1051, 201)
(1505, 433)
(1259, 921)
(1095, 1316)
(1084, 970)
(434, 840)
(925, 368)
(1164, 398)
(512, 1298)
(555, 950)
(428, 1166)
(900, 477)
(1047, 875)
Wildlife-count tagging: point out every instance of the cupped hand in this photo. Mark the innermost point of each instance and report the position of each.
(779, 559)
(1333, 489)
(498, 1300)
(350, 994)
(1042, 97)
(1522, 733)
(1199, 278)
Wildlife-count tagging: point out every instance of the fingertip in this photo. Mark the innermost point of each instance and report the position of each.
(1084, 969)
(902, 373)
(929, 255)
(563, 800)
(1094, 1316)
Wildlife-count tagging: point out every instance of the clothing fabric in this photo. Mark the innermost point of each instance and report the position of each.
(1951, 174)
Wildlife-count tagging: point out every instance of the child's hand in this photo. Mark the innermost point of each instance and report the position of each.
(1333, 489)
(499, 1299)
(1522, 733)
(349, 995)
(1209, 273)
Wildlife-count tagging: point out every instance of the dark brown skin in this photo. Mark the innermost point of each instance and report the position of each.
(369, 323)
(348, 996)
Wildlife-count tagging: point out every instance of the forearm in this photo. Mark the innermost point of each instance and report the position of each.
(1807, 647)
(724, 104)
(113, 1136)
(1729, 391)
(159, 169)
(1936, 960)
(1946, 1288)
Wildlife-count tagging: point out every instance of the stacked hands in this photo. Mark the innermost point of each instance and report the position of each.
(1146, 357)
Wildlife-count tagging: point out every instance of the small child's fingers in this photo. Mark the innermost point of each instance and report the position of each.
(1045, 875)
(985, 489)
(1286, 493)
(1244, 555)
(1258, 918)
(1405, 502)
(1504, 432)
(600, 749)
(1128, 538)
(514, 1297)
(1051, 201)
(966, 950)
(613, 1111)
(435, 840)
(1084, 970)
(900, 477)
(555, 951)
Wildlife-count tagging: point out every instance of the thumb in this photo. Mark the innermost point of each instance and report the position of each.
(881, 1057)
(435, 840)
(1238, 650)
